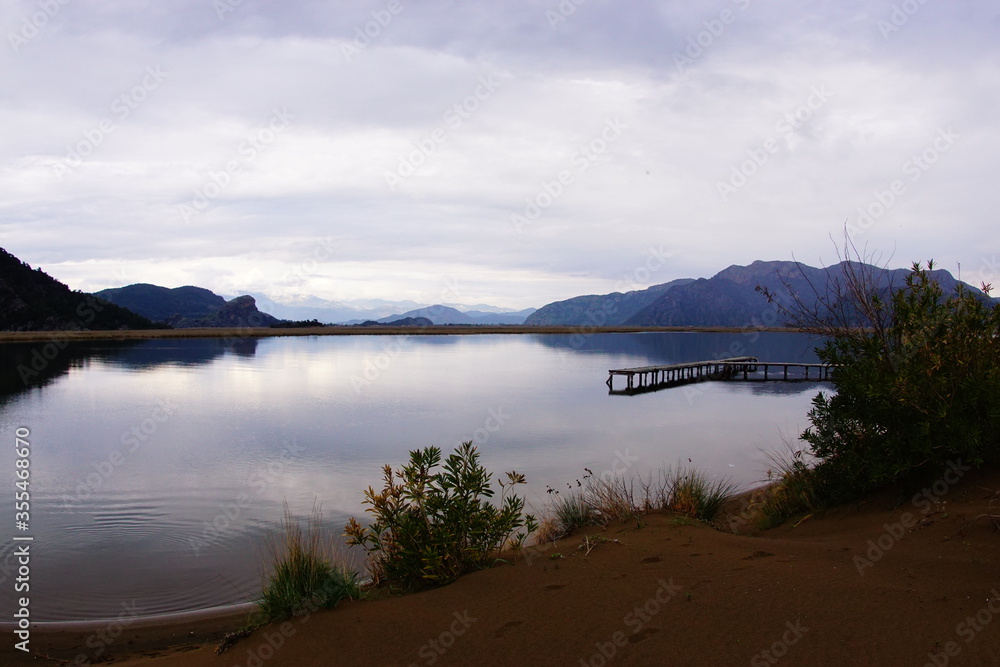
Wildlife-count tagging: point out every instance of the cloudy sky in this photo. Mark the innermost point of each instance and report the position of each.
(510, 153)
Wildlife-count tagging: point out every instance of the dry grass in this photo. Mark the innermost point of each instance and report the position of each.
(304, 571)
(609, 498)
(793, 488)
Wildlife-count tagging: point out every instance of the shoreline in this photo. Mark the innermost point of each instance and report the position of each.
(209, 614)
(884, 580)
(341, 330)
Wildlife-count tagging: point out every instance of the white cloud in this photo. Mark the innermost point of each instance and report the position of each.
(518, 140)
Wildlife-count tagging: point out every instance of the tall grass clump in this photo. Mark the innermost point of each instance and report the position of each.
(431, 526)
(602, 500)
(687, 491)
(566, 514)
(613, 498)
(693, 494)
(597, 501)
(794, 488)
(573, 511)
(303, 571)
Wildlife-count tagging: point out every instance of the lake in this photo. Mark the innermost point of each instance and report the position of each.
(158, 468)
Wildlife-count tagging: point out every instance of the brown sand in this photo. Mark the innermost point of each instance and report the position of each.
(664, 594)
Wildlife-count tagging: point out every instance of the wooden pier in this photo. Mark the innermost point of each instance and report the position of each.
(653, 378)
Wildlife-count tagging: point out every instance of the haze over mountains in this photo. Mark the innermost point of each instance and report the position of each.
(32, 300)
(308, 307)
(185, 307)
(441, 314)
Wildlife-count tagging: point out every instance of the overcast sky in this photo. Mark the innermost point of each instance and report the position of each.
(510, 153)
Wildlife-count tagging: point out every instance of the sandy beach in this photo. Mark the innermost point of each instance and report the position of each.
(891, 580)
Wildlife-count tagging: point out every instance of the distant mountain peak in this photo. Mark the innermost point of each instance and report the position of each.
(442, 314)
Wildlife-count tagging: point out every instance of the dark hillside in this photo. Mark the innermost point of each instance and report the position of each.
(162, 303)
(31, 300)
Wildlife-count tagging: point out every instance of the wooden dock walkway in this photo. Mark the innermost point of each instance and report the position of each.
(652, 378)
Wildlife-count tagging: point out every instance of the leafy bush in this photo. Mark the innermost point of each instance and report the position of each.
(431, 527)
(911, 395)
(304, 573)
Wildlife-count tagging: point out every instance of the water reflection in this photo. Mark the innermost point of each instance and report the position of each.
(680, 347)
(25, 366)
(159, 465)
(150, 354)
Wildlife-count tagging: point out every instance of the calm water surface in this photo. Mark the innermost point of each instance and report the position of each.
(158, 468)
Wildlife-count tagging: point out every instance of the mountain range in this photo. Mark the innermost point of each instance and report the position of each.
(729, 298)
(186, 307)
(356, 311)
(441, 314)
(32, 300)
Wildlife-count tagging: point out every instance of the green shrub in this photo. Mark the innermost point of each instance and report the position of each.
(304, 572)
(431, 527)
(912, 395)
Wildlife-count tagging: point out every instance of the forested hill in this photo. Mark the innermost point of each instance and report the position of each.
(188, 307)
(32, 300)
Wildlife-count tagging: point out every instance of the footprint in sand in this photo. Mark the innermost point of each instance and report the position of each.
(506, 627)
(651, 559)
(642, 635)
(554, 587)
(758, 554)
